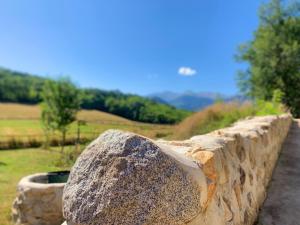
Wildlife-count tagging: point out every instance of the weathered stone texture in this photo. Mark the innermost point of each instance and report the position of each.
(123, 178)
(213, 179)
(38, 203)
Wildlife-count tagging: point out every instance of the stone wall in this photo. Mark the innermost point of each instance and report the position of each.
(213, 179)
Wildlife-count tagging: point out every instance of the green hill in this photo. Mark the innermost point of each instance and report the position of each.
(26, 88)
(20, 126)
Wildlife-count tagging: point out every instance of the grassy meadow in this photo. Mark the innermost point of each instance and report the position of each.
(20, 126)
(15, 164)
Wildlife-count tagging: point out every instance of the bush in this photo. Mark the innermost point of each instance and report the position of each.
(270, 108)
(68, 157)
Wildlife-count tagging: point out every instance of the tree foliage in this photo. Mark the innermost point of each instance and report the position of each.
(20, 87)
(132, 106)
(273, 55)
(61, 102)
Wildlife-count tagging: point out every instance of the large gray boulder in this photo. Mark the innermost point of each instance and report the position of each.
(123, 178)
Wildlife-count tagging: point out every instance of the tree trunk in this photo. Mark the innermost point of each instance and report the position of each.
(46, 144)
(78, 133)
(63, 141)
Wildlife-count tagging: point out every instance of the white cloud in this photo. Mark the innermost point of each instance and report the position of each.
(186, 71)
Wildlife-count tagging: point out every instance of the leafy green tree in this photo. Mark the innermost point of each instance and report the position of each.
(273, 55)
(61, 102)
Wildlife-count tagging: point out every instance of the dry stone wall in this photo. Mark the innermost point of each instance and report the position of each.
(214, 179)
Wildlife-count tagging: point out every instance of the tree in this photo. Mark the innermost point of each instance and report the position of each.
(274, 55)
(61, 102)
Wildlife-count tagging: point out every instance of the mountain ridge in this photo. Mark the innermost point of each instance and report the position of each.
(191, 100)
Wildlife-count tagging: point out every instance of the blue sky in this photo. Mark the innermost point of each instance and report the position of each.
(136, 46)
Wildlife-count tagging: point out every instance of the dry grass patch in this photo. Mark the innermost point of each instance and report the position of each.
(19, 111)
(214, 117)
(14, 111)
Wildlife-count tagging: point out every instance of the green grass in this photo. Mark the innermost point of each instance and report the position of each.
(15, 164)
(20, 126)
(27, 128)
(28, 133)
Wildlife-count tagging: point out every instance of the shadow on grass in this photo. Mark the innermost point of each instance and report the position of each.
(3, 164)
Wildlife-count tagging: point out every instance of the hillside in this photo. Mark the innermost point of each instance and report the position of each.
(223, 114)
(14, 111)
(21, 87)
(20, 126)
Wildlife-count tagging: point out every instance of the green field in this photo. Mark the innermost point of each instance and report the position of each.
(15, 164)
(20, 126)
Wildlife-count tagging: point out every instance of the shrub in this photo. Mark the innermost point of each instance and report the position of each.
(68, 157)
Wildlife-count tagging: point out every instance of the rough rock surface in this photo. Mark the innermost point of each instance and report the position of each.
(214, 179)
(38, 203)
(123, 178)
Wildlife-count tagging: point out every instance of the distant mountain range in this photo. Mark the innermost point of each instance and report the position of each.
(192, 101)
